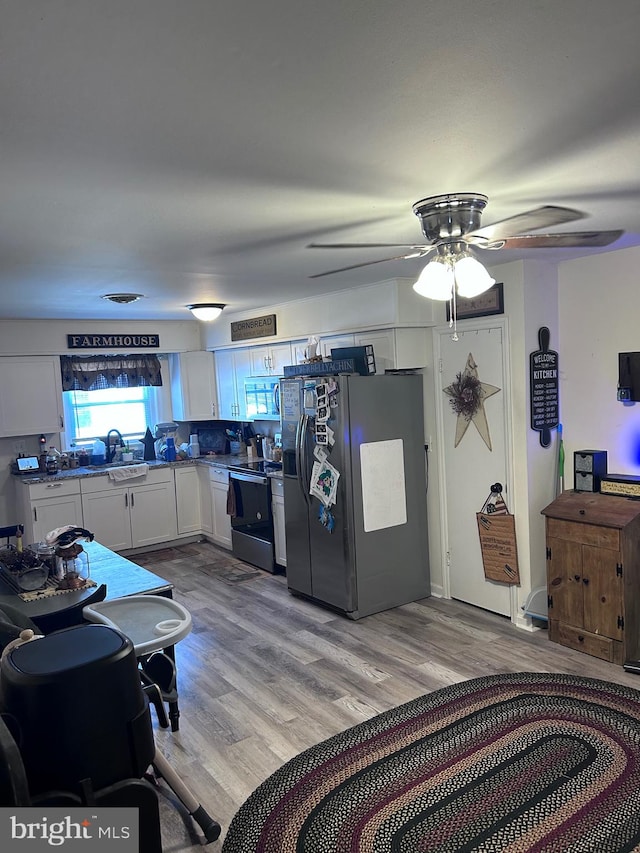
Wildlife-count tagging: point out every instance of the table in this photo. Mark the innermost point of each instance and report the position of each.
(122, 578)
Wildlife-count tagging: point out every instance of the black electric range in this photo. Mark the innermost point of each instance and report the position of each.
(258, 466)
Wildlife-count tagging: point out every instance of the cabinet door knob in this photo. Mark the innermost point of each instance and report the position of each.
(580, 638)
(585, 581)
(583, 512)
(576, 577)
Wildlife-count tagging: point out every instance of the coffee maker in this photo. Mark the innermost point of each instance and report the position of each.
(164, 431)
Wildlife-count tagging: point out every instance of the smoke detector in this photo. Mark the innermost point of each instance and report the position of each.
(123, 298)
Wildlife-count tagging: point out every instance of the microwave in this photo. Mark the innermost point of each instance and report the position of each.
(262, 398)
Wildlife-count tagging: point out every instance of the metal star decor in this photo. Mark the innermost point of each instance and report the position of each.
(468, 394)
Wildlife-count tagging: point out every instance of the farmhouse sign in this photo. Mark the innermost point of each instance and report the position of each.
(112, 341)
(543, 385)
(254, 327)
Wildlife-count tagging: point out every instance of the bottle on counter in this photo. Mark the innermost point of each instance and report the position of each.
(171, 450)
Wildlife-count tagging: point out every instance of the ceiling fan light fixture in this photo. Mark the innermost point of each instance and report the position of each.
(472, 278)
(206, 311)
(435, 281)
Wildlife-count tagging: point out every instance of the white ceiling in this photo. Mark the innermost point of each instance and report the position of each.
(190, 149)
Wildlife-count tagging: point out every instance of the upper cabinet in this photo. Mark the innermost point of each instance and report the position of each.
(329, 342)
(232, 367)
(396, 349)
(270, 360)
(193, 386)
(31, 401)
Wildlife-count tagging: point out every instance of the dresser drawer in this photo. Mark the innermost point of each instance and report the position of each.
(582, 641)
(53, 489)
(585, 534)
(219, 475)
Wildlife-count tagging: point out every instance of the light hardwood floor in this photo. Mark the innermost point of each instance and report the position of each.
(264, 674)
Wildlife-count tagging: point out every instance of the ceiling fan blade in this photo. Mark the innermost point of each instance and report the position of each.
(530, 220)
(367, 246)
(418, 254)
(568, 240)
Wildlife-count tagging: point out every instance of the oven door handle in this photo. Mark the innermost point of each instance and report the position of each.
(248, 478)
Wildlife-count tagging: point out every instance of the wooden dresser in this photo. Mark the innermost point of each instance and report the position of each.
(593, 574)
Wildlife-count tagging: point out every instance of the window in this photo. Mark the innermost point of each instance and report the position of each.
(91, 414)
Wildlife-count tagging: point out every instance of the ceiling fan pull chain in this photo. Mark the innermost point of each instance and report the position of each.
(453, 318)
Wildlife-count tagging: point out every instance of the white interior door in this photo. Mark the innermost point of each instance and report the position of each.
(479, 459)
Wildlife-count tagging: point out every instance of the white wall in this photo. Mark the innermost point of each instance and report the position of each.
(599, 310)
(49, 337)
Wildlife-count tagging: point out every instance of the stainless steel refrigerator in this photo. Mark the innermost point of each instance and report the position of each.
(367, 551)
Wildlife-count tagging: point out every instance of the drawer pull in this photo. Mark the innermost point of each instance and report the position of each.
(53, 485)
(583, 512)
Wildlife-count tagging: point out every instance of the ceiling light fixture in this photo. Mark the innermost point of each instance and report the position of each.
(454, 272)
(123, 298)
(206, 311)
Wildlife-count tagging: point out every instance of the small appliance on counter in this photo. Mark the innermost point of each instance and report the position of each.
(163, 432)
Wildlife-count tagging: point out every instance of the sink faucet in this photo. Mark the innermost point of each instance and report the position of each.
(111, 451)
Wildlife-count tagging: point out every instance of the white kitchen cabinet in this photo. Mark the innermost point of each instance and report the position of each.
(277, 508)
(31, 400)
(134, 516)
(328, 342)
(397, 349)
(194, 394)
(232, 367)
(206, 499)
(219, 482)
(43, 507)
(188, 500)
(270, 360)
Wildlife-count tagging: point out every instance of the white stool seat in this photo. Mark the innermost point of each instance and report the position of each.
(151, 622)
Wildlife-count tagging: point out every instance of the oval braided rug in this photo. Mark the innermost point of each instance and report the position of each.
(514, 762)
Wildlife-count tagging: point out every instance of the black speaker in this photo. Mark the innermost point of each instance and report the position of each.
(589, 466)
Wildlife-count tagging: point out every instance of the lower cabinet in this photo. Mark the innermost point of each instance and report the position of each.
(277, 508)
(221, 521)
(593, 551)
(122, 517)
(206, 499)
(43, 507)
(188, 501)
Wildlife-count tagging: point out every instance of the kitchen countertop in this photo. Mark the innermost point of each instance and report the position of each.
(218, 461)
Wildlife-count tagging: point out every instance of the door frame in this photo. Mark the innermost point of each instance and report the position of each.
(468, 326)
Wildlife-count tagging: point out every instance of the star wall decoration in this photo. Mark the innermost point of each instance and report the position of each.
(468, 394)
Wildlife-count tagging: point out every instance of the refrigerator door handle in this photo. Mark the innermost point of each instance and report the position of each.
(301, 461)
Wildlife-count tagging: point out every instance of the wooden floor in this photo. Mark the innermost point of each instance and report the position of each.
(264, 674)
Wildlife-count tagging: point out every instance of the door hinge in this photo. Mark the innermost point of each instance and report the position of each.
(549, 601)
(621, 622)
(448, 559)
(440, 366)
(548, 553)
(619, 569)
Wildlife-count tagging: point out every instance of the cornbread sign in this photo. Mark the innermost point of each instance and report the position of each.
(112, 341)
(254, 327)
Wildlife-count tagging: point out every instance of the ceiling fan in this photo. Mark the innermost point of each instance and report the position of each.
(451, 227)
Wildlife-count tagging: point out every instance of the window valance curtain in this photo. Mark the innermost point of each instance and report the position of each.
(92, 373)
